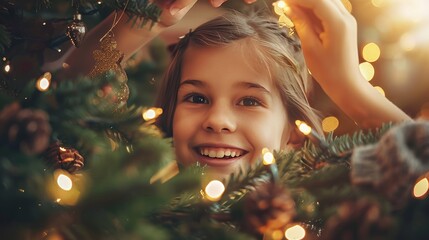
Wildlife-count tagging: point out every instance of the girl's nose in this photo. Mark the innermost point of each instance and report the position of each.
(219, 119)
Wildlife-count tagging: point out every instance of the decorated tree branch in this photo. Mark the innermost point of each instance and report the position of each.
(81, 159)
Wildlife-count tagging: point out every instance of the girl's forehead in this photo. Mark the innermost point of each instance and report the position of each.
(245, 51)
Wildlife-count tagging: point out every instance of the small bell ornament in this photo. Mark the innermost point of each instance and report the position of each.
(76, 30)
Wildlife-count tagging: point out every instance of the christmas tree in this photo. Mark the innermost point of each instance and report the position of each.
(81, 158)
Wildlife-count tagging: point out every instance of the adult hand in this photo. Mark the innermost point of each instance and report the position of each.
(328, 34)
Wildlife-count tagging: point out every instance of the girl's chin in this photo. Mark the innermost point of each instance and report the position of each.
(221, 173)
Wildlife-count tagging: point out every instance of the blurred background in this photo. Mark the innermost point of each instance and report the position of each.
(394, 53)
(393, 46)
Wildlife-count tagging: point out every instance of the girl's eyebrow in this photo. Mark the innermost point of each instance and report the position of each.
(246, 85)
(253, 85)
(193, 82)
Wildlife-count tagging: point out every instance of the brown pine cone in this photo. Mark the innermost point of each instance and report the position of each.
(356, 220)
(68, 159)
(25, 129)
(269, 207)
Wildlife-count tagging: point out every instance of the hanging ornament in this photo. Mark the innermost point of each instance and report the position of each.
(393, 164)
(113, 95)
(65, 158)
(76, 30)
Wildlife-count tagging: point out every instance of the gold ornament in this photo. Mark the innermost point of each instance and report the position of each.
(114, 94)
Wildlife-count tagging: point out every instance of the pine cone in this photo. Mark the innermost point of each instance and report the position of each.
(357, 220)
(395, 162)
(25, 129)
(269, 207)
(68, 159)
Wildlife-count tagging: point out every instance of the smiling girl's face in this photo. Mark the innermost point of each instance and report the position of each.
(227, 110)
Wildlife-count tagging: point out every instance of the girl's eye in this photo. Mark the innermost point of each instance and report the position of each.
(249, 101)
(198, 99)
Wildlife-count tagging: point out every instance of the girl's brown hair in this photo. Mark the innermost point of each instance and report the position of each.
(277, 51)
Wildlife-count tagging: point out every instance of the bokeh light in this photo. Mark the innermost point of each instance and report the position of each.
(371, 52)
(295, 232)
(421, 188)
(380, 90)
(330, 123)
(367, 70)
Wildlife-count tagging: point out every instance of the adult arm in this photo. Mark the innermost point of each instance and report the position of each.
(328, 34)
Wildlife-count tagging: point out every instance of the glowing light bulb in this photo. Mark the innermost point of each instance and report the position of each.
(64, 182)
(214, 190)
(151, 113)
(281, 4)
(44, 82)
(7, 68)
(421, 188)
(303, 127)
(295, 232)
(267, 157)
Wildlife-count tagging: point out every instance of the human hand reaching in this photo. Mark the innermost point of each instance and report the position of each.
(328, 34)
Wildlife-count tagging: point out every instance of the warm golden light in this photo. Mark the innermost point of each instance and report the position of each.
(277, 235)
(348, 5)
(7, 68)
(280, 4)
(380, 90)
(377, 3)
(407, 42)
(44, 82)
(214, 190)
(295, 232)
(330, 123)
(151, 113)
(421, 188)
(303, 127)
(371, 52)
(367, 70)
(64, 182)
(267, 157)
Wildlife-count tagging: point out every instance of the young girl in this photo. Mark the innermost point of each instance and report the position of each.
(237, 83)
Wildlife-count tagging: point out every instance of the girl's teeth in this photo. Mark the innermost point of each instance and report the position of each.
(227, 153)
(219, 153)
(212, 154)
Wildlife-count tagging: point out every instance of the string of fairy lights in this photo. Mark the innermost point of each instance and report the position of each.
(65, 188)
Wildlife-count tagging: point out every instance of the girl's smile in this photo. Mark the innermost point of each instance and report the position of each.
(227, 110)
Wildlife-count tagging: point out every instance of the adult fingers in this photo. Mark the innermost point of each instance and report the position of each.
(181, 5)
(325, 10)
